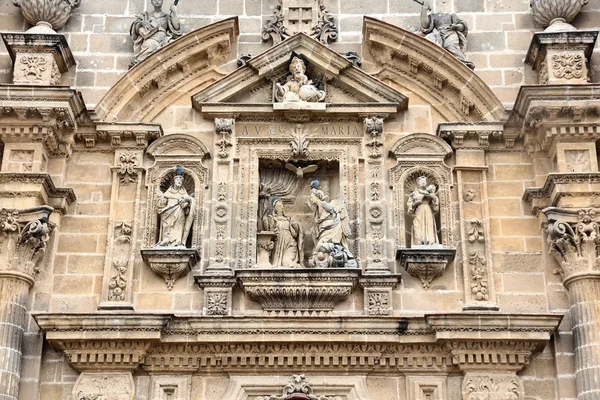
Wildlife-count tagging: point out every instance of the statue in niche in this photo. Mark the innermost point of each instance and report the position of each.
(152, 30)
(298, 87)
(330, 233)
(176, 209)
(422, 204)
(447, 30)
(288, 251)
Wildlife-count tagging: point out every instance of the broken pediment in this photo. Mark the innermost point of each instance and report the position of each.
(299, 75)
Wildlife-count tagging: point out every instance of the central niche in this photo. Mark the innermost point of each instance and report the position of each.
(287, 228)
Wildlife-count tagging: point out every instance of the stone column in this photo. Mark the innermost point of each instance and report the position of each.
(26, 233)
(573, 239)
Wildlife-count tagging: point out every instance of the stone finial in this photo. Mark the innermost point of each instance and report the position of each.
(555, 15)
(46, 16)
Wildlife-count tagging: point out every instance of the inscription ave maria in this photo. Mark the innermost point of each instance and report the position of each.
(325, 129)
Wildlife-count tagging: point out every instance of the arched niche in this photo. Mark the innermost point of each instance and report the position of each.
(177, 70)
(421, 154)
(412, 64)
(162, 156)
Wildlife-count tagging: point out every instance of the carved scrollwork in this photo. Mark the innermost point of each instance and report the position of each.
(26, 234)
(374, 131)
(568, 66)
(573, 242)
(126, 168)
(492, 387)
(224, 129)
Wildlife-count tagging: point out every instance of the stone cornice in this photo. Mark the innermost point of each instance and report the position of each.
(14, 184)
(168, 343)
(119, 135)
(49, 115)
(40, 42)
(476, 135)
(560, 185)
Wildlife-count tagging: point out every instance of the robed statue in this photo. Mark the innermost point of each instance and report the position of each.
(176, 210)
(447, 30)
(298, 87)
(152, 30)
(422, 205)
(288, 251)
(331, 231)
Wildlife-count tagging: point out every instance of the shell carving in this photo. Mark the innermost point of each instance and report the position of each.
(546, 11)
(47, 12)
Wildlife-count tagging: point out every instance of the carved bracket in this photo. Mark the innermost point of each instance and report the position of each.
(171, 263)
(425, 263)
(309, 290)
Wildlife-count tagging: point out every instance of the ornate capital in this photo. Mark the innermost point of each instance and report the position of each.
(572, 236)
(23, 243)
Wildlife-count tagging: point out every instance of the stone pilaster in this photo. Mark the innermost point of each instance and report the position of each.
(25, 234)
(573, 239)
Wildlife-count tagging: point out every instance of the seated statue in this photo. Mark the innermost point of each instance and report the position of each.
(298, 87)
(330, 233)
(446, 30)
(176, 209)
(152, 30)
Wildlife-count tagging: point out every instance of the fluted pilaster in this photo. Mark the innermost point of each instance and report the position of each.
(25, 234)
(585, 311)
(13, 311)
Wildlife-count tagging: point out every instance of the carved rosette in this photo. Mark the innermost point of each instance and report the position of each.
(298, 291)
(573, 239)
(171, 263)
(425, 263)
(25, 236)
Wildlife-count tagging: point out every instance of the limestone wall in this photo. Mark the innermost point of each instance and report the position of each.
(499, 34)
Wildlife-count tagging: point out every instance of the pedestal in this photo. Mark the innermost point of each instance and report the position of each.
(425, 262)
(170, 262)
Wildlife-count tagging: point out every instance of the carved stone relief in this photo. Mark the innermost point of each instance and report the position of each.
(492, 387)
(104, 385)
(293, 16)
(298, 90)
(298, 389)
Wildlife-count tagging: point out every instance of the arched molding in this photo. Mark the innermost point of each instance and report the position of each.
(178, 144)
(182, 67)
(421, 144)
(410, 62)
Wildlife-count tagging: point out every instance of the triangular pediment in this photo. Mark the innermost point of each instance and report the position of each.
(348, 89)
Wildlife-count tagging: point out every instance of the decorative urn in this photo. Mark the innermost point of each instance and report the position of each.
(555, 15)
(46, 15)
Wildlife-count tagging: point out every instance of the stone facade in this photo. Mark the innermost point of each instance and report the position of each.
(299, 200)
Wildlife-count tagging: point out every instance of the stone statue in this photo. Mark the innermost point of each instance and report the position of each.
(331, 231)
(447, 30)
(176, 209)
(288, 251)
(422, 204)
(152, 30)
(298, 87)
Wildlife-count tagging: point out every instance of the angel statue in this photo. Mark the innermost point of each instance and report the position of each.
(422, 205)
(152, 30)
(176, 209)
(298, 87)
(331, 231)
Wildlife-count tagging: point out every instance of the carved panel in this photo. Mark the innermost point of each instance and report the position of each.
(492, 387)
(426, 387)
(170, 387)
(104, 385)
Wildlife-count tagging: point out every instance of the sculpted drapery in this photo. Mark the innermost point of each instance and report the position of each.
(176, 209)
(152, 30)
(289, 243)
(422, 205)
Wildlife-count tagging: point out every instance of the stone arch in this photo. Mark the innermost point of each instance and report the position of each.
(180, 68)
(411, 63)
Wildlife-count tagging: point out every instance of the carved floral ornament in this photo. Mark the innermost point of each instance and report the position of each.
(573, 239)
(25, 236)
